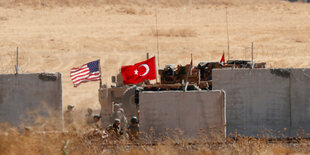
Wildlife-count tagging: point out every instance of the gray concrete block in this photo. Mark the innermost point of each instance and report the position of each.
(26, 98)
(188, 111)
(300, 100)
(264, 99)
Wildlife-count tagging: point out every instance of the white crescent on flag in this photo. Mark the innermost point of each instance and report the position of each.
(147, 68)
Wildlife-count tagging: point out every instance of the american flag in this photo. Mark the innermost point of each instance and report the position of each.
(85, 73)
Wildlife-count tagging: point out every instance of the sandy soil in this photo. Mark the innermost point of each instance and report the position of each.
(55, 39)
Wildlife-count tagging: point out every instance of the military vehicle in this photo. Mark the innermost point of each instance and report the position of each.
(171, 78)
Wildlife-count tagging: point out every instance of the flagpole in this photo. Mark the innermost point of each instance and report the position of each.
(252, 55)
(157, 40)
(16, 67)
(227, 34)
(100, 84)
(157, 44)
(156, 70)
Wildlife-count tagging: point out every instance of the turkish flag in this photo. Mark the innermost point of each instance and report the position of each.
(222, 60)
(139, 72)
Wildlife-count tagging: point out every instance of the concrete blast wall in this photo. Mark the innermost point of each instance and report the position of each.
(264, 99)
(188, 111)
(25, 98)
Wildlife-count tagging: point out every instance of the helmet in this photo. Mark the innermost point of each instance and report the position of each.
(97, 116)
(70, 107)
(134, 119)
(117, 121)
(116, 106)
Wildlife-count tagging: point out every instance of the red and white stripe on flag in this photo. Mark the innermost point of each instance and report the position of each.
(87, 72)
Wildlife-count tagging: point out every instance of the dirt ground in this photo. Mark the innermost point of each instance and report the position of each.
(56, 38)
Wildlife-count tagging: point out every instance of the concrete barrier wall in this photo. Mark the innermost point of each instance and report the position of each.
(188, 111)
(262, 99)
(300, 99)
(27, 98)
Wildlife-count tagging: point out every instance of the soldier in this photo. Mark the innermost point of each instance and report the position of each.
(123, 118)
(114, 131)
(119, 113)
(95, 132)
(89, 117)
(27, 131)
(68, 117)
(96, 122)
(133, 129)
(116, 108)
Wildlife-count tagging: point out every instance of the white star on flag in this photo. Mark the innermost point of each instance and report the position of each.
(136, 72)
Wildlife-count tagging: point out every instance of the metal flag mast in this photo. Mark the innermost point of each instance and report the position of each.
(227, 35)
(100, 84)
(16, 67)
(157, 44)
(252, 49)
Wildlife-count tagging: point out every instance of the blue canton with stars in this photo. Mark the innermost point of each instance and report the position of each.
(93, 66)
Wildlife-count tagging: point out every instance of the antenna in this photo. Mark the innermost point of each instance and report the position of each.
(252, 55)
(227, 34)
(188, 73)
(16, 67)
(157, 44)
(157, 39)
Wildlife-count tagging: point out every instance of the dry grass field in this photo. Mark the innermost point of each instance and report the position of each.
(79, 142)
(54, 36)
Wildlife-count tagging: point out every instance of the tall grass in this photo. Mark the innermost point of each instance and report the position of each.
(81, 141)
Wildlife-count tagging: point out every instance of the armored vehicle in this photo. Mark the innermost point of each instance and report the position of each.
(171, 77)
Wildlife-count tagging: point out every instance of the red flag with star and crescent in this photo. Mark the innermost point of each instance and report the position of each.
(139, 72)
